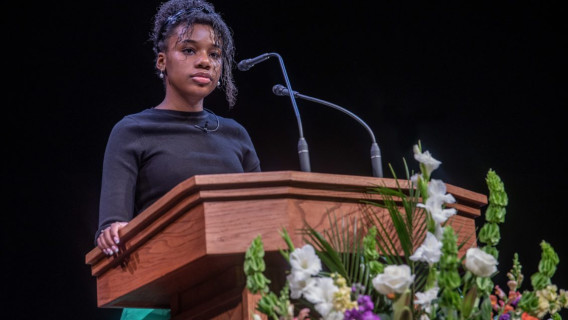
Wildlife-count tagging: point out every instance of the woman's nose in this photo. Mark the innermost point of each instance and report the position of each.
(203, 60)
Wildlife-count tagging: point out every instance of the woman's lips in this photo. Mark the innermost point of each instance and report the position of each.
(201, 78)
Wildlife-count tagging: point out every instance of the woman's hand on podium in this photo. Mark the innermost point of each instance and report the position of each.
(109, 240)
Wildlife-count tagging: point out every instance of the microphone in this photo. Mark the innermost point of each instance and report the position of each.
(303, 152)
(205, 129)
(280, 90)
(376, 165)
(246, 64)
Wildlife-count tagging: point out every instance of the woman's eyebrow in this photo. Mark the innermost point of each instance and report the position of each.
(216, 45)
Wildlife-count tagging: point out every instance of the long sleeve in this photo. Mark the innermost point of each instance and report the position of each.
(120, 171)
(250, 161)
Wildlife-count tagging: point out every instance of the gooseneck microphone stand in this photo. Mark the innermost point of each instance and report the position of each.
(303, 151)
(376, 164)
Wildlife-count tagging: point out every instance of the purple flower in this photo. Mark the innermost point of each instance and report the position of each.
(369, 315)
(365, 303)
(515, 302)
(364, 311)
(505, 316)
(351, 314)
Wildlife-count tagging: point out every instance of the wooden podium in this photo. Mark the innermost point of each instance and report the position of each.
(186, 251)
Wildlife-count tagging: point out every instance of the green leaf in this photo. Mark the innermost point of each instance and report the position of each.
(485, 285)
(486, 309)
(468, 302)
(325, 251)
(402, 306)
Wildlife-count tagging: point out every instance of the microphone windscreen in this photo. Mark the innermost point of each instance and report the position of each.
(244, 65)
(279, 90)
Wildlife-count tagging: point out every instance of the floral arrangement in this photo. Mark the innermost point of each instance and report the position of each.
(355, 270)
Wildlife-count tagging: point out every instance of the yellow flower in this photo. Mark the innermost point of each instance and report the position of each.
(543, 305)
(554, 307)
(548, 293)
(342, 297)
(563, 298)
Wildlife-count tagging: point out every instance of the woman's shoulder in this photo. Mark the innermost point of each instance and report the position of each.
(232, 124)
(131, 123)
(137, 118)
(228, 121)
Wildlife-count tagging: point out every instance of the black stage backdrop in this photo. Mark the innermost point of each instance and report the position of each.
(480, 84)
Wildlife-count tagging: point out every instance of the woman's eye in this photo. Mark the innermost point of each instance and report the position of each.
(188, 51)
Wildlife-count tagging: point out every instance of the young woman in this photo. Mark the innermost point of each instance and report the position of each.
(150, 152)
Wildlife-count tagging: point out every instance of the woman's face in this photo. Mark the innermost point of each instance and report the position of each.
(193, 61)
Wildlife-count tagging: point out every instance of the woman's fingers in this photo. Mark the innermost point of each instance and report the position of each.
(109, 239)
(114, 232)
(103, 241)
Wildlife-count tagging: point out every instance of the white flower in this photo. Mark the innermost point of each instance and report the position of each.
(414, 178)
(305, 260)
(299, 283)
(256, 317)
(395, 278)
(324, 308)
(480, 263)
(437, 191)
(321, 295)
(291, 311)
(439, 214)
(439, 233)
(334, 315)
(429, 251)
(425, 298)
(437, 197)
(426, 159)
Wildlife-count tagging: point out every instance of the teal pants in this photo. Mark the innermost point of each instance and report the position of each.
(145, 314)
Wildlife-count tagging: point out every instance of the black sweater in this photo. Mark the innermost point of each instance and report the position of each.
(150, 152)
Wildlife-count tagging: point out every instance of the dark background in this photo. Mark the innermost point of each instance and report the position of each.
(480, 84)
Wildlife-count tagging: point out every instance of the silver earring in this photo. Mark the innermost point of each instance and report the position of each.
(161, 74)
(218, 83)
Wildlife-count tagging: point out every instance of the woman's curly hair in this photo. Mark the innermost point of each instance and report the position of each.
(173, 13)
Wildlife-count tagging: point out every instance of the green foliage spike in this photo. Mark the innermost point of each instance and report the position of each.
(254, 267)
(495, 213)
(497, 196)
(549, 260)
(449, 278)
(546, 267)
(490, 234)
(371, 254)
(529, 302)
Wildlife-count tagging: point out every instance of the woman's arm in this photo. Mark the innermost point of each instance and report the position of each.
(120, 172)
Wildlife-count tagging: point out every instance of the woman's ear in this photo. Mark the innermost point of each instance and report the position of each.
(161, 62)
